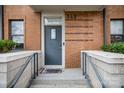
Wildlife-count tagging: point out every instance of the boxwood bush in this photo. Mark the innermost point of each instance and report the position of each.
(6, 45)
(114, 47)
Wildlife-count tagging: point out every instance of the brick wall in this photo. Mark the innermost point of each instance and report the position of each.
(113, 12)
(32, 24)
(84, 31)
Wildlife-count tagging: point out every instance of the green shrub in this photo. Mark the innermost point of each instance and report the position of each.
(114, 47)
(6, 45)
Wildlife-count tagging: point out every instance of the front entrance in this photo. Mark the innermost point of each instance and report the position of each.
(53, 45)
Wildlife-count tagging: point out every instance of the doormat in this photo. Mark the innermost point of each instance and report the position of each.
(51, 71)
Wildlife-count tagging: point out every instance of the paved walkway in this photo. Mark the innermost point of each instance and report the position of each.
(69, 78)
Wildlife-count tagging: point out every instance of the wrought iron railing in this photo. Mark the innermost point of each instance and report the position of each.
(18, 75)
(84, 63)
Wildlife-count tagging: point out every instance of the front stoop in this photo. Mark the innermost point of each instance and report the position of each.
(69, 78)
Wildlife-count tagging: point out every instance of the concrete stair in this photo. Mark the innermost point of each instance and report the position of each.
(60, 84)
(69, 78)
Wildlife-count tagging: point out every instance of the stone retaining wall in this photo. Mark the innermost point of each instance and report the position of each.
(9, 68)
(110, 67)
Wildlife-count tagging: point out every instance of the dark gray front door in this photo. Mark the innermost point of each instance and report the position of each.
(53, 45)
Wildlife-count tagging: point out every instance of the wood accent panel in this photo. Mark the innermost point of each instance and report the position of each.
(71, 26)
(79, 19)
(80, 40)
(83, 31)
(71, 16)
(79, 33)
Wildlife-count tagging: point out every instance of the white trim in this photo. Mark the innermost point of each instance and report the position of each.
(48, 14)
(81, 59)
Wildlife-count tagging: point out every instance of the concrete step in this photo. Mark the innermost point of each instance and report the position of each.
(58, 77)
(79, 82)
(60, 84)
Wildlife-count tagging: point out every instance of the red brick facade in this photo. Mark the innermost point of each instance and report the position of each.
(113, 12)
(31, 21)
(83, 30)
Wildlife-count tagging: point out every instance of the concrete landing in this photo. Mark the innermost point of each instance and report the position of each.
(69, 78)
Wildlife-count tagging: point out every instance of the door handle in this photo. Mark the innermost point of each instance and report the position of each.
(63, 43)
(60, 46)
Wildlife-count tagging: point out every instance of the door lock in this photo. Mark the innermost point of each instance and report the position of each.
(63, 43)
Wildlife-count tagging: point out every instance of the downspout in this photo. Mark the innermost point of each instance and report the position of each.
(2, 21)
(1, 27)
(104, 27)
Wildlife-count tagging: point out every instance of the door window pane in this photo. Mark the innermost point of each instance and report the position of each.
(53, 33)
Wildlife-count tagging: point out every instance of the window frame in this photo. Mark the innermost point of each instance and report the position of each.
(117, 34)
(11, 36)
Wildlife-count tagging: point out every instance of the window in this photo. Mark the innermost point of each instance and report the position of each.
(117, 30)
(53, 21)
(53, 34)
(17, 32)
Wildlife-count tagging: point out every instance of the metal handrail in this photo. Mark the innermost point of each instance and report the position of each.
(22, 69)
(94, 68)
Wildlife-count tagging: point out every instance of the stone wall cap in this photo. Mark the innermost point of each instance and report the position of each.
(108, 57)
(7, 57)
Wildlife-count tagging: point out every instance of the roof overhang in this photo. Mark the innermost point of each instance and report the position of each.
(38, 8)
